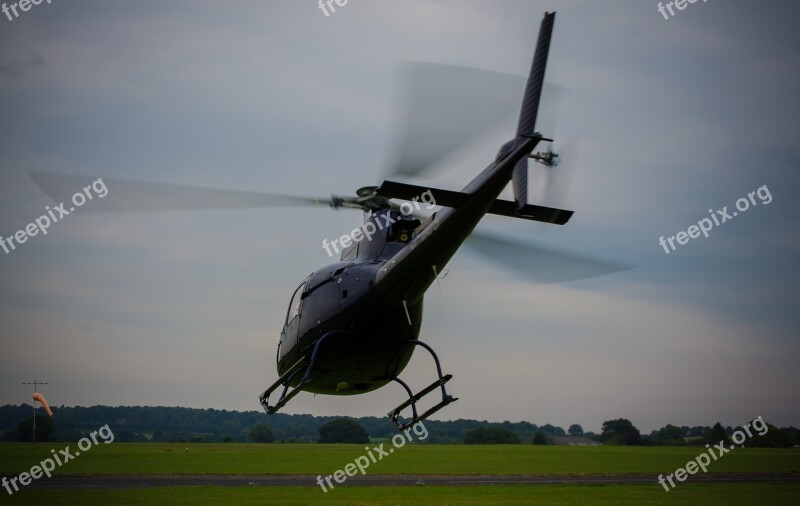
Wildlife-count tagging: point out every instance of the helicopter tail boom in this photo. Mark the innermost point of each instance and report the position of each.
(454, 199)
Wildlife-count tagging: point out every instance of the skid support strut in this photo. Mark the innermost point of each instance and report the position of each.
(286, 378)
(394, 415)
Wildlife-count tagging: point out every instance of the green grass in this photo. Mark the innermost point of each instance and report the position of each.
(149, 458)
(315, 459)
(725, 494)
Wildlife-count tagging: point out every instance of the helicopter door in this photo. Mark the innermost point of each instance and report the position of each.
(290, 329)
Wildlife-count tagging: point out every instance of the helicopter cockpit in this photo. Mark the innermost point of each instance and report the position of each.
(384, 232)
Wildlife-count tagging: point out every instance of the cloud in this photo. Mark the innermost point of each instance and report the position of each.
(18, 65)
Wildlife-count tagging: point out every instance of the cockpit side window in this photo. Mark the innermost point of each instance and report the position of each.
(294, 305)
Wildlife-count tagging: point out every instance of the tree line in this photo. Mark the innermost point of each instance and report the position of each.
(174, 424)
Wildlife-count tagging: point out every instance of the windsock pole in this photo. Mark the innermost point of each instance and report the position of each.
(47, 408)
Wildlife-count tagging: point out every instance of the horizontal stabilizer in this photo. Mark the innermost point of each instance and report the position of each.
(530, 212)
(454, 199)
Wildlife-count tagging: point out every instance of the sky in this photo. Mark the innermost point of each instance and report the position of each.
(676, 117)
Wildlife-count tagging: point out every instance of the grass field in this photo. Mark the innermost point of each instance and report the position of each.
(120, 458)
(206, 458)
(721, 494)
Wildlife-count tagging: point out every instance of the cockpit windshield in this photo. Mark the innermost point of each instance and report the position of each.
(294, 304)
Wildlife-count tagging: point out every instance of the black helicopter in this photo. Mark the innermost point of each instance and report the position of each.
(352, 326)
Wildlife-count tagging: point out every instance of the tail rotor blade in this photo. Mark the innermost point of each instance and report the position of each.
(560, 175)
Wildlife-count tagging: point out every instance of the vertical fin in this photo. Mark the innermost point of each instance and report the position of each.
(530, 105)
(533, 91)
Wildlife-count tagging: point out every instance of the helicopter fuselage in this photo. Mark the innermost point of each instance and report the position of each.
(369, 305)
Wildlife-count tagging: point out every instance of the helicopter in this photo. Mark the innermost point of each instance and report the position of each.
(352, 326)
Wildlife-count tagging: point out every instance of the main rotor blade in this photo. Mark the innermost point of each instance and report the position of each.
(447, 107)
(126, 195)
(540, 264)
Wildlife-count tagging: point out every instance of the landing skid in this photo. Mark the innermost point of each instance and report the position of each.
(394, 415)
(301, 366)
(286, 379)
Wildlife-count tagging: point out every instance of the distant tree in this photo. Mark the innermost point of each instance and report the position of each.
(621, 432)
(552, 430)
(168, 437)
(232, 426)
(343, 430)
(669, 435)
(44, 429)
(540, 439)
(772, 438)
(697, 431)
(124, 436)
(227, 439)
(794, 432)
(490, 436)
(575, 430)
(716, 434)
(70, 435)
(300, 432)
(130, 436)
(261, 433)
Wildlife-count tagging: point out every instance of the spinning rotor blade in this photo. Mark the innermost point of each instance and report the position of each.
(552, 182)
(559, 177)
(538, 263)
(553, 95)
(125, 195)
(447, 107)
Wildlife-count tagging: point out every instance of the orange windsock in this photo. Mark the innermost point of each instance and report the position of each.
(39, 397)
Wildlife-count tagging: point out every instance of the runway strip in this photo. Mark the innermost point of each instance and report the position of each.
(66, 481)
